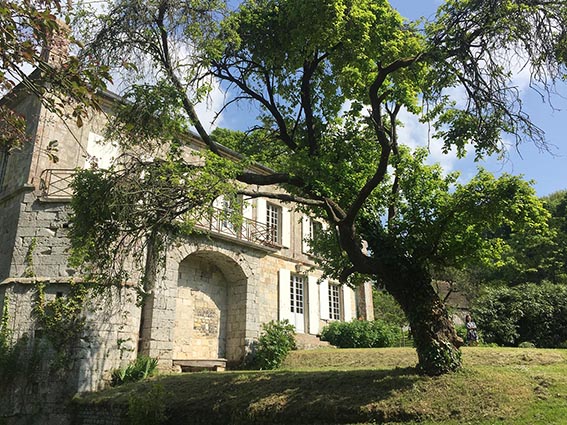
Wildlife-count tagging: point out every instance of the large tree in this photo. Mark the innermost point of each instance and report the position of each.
(332, 79)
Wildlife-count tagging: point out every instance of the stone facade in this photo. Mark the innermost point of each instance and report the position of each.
(209, 299)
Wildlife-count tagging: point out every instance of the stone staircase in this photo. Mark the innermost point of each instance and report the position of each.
(309, 342)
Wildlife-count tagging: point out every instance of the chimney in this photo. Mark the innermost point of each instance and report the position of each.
(56, 51)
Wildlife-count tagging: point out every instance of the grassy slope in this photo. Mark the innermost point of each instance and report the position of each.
(512, 386)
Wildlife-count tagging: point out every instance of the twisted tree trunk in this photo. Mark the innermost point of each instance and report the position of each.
(434, 334)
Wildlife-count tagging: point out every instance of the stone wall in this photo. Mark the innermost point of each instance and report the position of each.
(41, 242)
(201, 311)
(98, 415)
(40, 390)
(19, 164)
(9, 217)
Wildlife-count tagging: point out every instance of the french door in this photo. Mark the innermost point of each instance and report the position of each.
(297, 302)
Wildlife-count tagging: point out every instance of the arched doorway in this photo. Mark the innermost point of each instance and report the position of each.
(210, 308)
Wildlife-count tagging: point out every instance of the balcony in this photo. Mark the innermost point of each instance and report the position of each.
(55, 186)
(249, 231)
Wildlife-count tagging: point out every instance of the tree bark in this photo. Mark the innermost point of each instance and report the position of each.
(434, 334)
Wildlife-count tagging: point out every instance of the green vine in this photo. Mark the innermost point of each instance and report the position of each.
(5, 331)
(17, 359)
(438, 358)
(61, 319)
(28, 259)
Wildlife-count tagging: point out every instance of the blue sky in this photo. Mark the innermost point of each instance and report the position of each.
(548, 170)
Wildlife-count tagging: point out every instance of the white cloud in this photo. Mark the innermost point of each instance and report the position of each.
(416, 134)
(207, 111)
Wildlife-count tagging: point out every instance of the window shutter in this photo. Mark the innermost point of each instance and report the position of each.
(313, 300)
(286, 227)
(305, 230)
(261, 210)
(347, 303)
(284, 302)
(324, 299)
(247, 210)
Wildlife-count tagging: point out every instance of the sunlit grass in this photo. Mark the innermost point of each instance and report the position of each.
(328, 386)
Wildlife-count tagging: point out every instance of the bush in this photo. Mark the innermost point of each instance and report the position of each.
(360, 334)
(526, 344)
(388, 309)
(276, 341)
(141, 368)
(528, 312)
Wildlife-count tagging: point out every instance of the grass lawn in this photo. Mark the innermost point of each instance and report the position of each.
(359, 386)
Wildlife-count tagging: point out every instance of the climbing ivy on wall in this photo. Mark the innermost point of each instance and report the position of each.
(61, 320)
(5, 331)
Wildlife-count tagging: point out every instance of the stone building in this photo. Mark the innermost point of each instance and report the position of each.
(211, 296)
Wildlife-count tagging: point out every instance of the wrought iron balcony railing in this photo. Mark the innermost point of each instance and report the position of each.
(56, 184)
(248, 230)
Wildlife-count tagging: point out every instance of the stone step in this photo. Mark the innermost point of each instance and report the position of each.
(309, 342)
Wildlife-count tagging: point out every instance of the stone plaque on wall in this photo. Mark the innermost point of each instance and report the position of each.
(206, 321)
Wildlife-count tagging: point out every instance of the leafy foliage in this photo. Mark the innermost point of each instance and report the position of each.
(276, 341)
(18, 358)
(439, 358)
(118, 212)
(387, 309)
(360, 334)
(524, 313)
(299, 61)
(61, 320)
(65, 85)
(141, 368)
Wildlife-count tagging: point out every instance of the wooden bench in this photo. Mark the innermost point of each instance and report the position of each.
(196, 365)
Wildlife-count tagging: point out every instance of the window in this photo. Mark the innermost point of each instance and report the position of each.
(227, 214)
(273, 223)
(315, 229)
(296, 293)
(311, 230)
(334, 302)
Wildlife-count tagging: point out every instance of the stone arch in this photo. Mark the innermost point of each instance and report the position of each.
(239, 258)
(210, 307)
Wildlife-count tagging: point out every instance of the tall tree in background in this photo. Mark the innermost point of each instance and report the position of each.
(530, 257)
(332, 79)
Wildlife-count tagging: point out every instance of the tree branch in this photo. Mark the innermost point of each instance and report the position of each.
(285, 197)
(223, 72)
(269, 179)
(166, 62)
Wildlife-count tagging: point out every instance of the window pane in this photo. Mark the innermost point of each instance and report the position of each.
(296, 294)
(273, 214)
(334, 303)
(315, 229)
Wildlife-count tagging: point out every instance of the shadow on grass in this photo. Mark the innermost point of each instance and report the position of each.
(286, 397)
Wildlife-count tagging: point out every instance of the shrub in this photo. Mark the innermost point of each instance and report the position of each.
(141, 368)
(276, 341)
(528, 312)
(388, 309)
(360, 334)
(526, 344)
